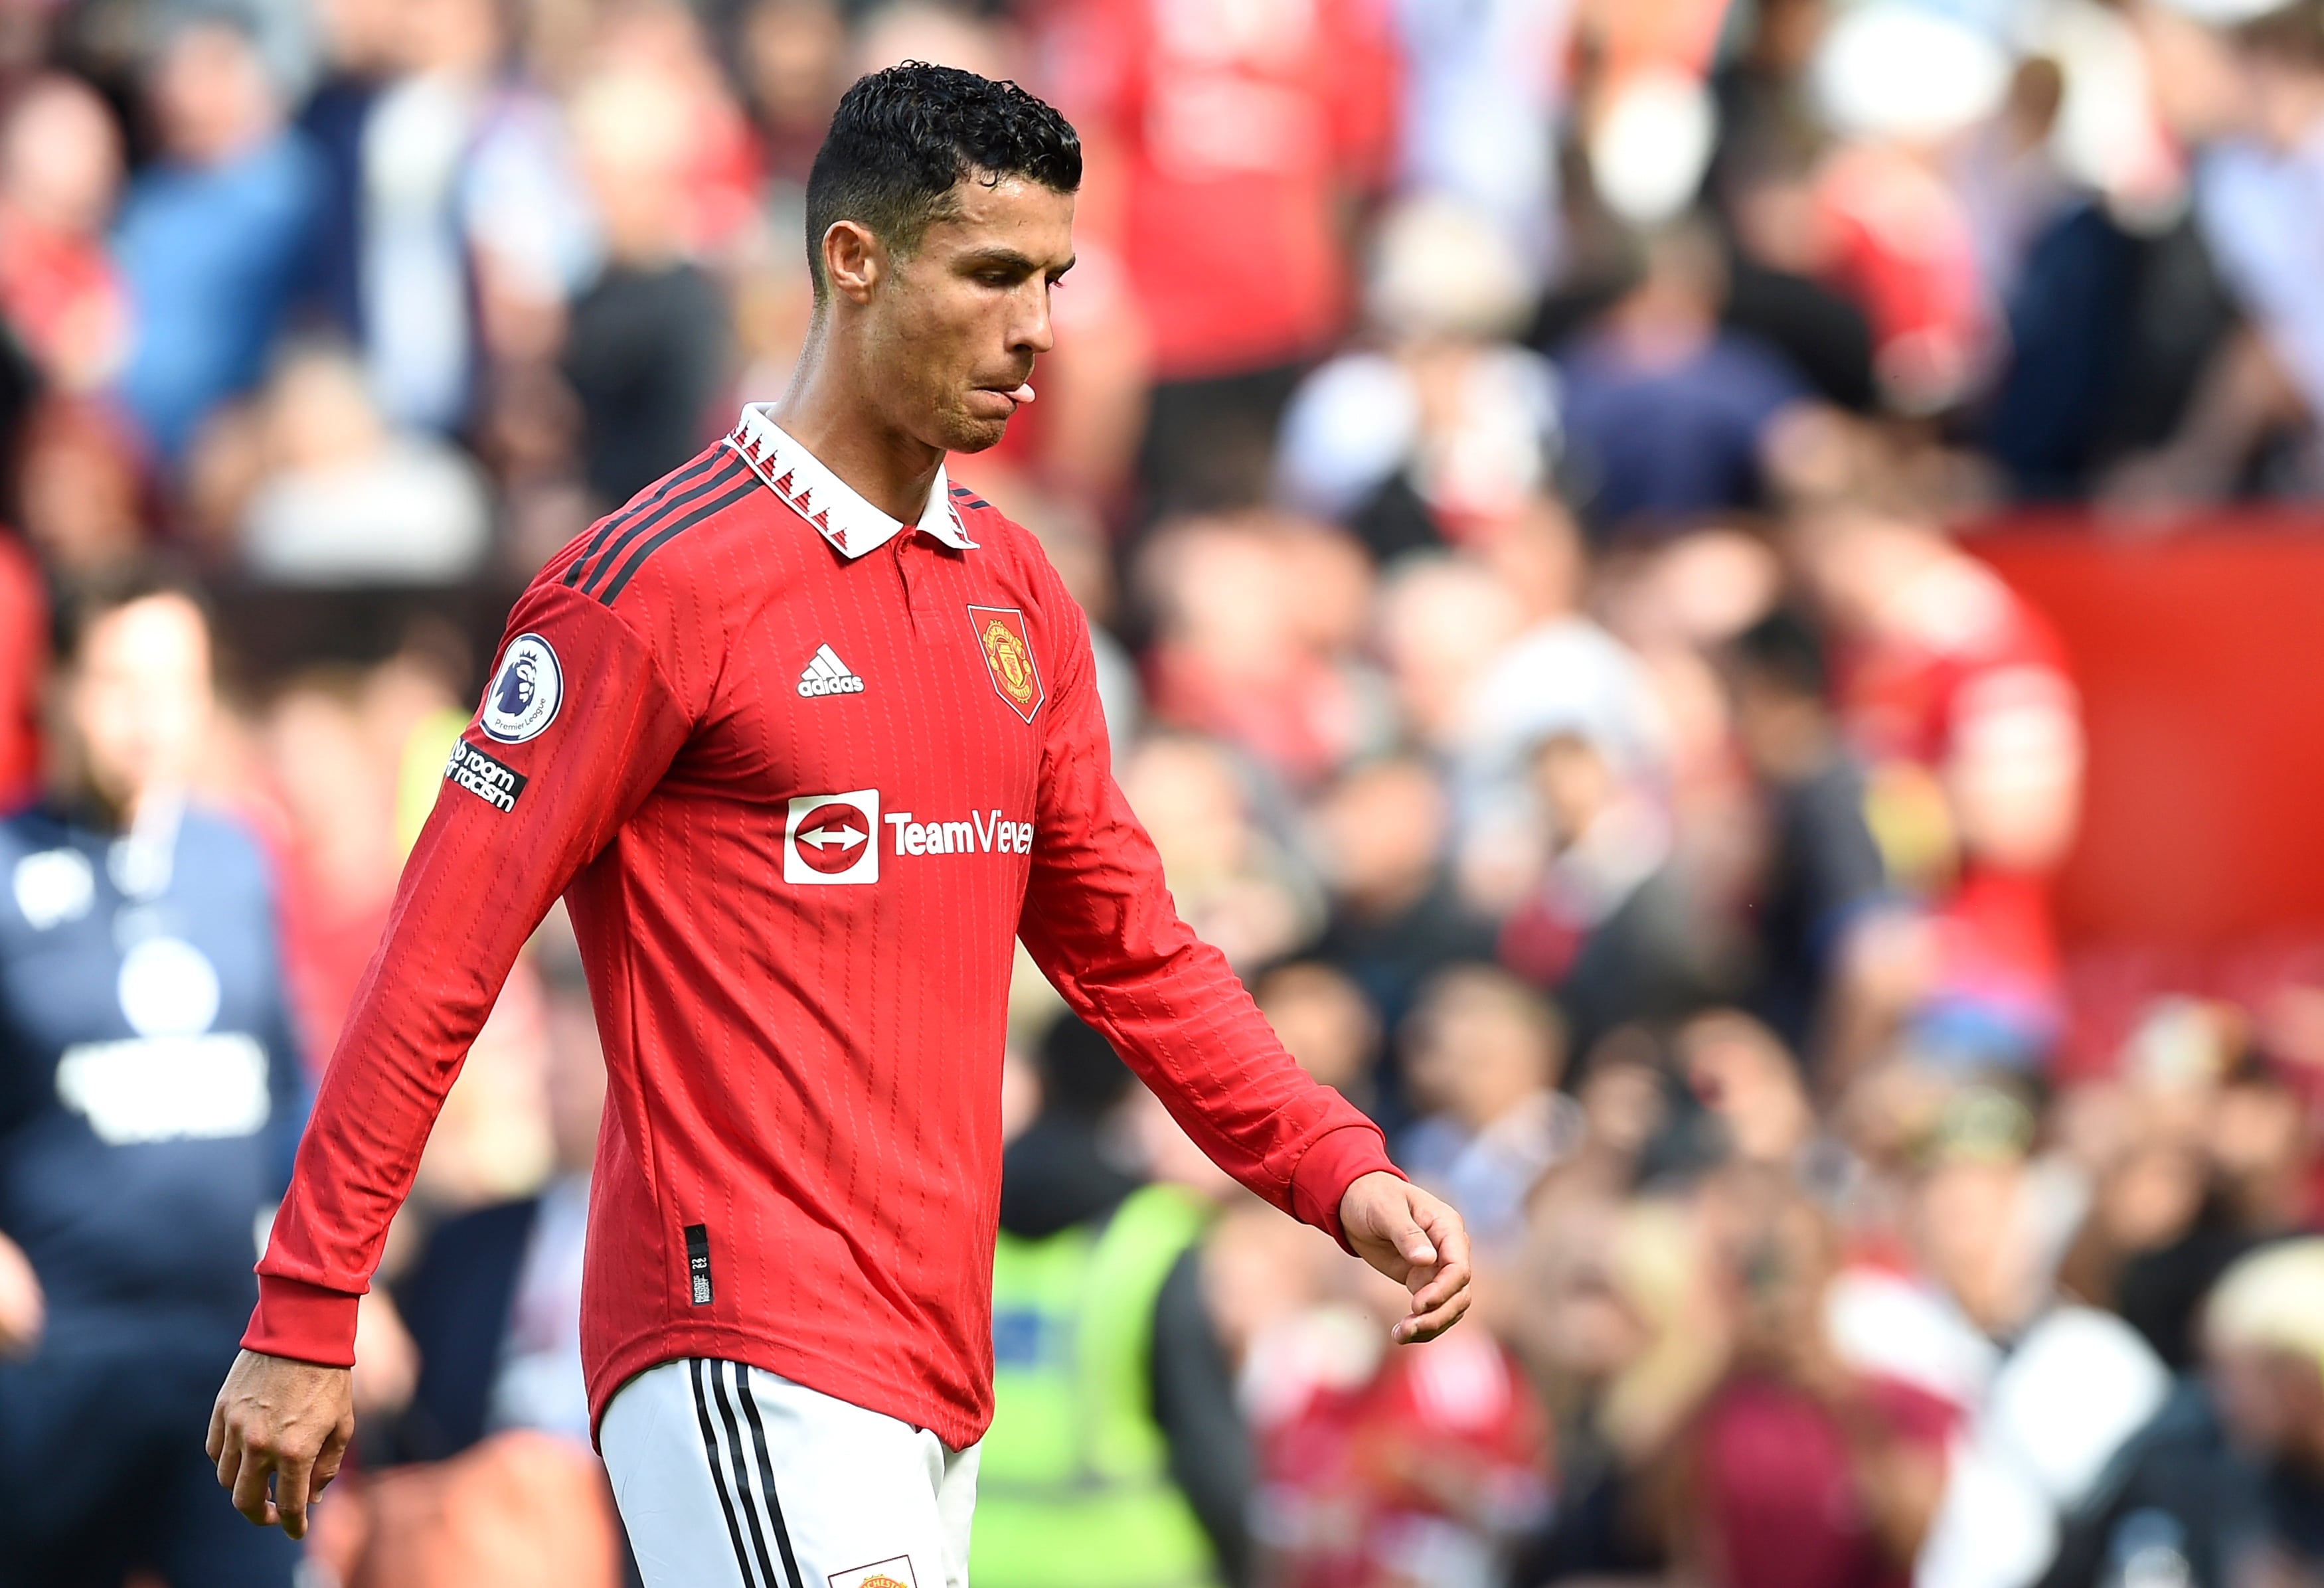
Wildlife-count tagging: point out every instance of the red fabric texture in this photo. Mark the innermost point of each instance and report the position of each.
(23, 668)
(1360, 1481)
(809, 1069)
(61, 295)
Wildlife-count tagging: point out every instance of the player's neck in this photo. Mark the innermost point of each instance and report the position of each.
(827, 412)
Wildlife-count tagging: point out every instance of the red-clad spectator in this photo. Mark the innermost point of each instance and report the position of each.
(1899, 245)
(1781, 1488)
(336, 797)
(1956, 695)
(1223, 141)
(85, 491)
(1417, 1470)
(1806, 1466)
(715, 166)
(59, 174)
(1901, 85)
(23, 666)
(1254, 619)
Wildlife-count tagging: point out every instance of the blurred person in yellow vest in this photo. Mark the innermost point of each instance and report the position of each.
(1117, 1458)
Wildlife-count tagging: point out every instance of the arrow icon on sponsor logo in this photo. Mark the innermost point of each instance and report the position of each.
(846, 837)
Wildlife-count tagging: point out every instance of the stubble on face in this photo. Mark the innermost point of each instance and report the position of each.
(966, 312)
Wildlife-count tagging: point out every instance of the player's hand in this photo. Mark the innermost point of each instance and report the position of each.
(1417, 1241)
(24, 1310)
(287, 1421)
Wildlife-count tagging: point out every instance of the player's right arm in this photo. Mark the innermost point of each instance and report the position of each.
(533, 792)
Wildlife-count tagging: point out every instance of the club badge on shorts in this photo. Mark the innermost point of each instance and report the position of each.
(879, 1574)
(1008, 656)
(525, 692)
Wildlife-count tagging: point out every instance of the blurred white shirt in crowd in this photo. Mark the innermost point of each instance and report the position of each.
(415, 512)
(540, 1385)
(1564, 674)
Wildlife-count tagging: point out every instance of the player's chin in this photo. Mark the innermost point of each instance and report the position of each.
(969, 430)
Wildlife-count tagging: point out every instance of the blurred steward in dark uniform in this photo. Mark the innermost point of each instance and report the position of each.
(1116, 1458)
(151, 1098)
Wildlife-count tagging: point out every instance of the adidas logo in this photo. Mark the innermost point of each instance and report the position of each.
(828, 674)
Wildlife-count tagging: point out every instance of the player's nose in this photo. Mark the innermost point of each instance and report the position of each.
(1030, 330)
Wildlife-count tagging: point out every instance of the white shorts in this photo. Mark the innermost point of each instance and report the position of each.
(729, 1476)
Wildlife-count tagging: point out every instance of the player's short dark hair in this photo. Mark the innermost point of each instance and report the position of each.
(904, 138)
(92, 599)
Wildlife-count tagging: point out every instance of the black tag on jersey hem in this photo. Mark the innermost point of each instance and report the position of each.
(485, 777)
(698, 1262)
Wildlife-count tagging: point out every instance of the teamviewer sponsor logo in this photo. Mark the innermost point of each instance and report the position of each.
(832, 837)
(984, 834)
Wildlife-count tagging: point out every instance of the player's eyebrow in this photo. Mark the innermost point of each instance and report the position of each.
(1010, 259)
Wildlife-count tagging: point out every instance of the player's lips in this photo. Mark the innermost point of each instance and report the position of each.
(1017, 395)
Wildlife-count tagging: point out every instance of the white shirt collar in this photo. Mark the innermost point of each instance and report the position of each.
(852, 525)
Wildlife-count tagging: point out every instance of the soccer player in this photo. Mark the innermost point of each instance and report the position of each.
(804, 735)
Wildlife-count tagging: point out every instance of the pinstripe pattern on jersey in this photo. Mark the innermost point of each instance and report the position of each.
(722, 469)
(716, 505)
(677, 480)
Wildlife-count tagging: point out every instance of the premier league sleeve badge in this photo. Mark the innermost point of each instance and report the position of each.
(524, 694)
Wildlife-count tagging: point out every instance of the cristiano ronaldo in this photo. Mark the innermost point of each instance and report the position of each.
(806, 736)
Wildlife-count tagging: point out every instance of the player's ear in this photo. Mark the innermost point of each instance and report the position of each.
(855, 261)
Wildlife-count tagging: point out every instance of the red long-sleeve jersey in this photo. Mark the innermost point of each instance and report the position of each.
(801, 773)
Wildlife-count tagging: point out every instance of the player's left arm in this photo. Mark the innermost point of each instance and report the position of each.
(1098, 921)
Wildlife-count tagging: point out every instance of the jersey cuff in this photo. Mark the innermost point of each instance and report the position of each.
(1335, 1161)
(304, 1322)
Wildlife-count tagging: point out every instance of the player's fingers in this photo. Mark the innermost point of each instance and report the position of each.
(230, 1454)
(1451, 1279)
(1412, 1242)
(334, 1453)
(292, 1480)
(1451, 1276)
(1446, 1229)
(1428, 1325)
(250, 1488)
(224, 1445)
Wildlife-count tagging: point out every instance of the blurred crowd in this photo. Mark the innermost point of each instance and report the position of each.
(1507, 449)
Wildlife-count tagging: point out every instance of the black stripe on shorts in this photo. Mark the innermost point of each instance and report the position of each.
(767, 1473)
(712, 1453)
(741, 1474)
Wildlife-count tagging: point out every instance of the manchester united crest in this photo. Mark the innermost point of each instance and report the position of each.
(1009, 657)
(885, 1574)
